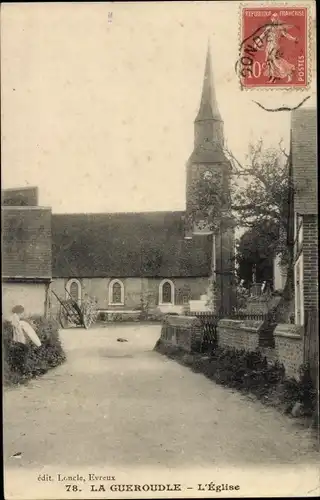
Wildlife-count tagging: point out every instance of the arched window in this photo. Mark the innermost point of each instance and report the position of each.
(166, 292)
(74, 289)
(116, 292)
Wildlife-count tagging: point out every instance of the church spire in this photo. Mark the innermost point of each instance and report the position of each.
(208, 125)
(208, 106)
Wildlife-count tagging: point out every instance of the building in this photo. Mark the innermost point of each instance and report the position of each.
(309, 110)
(26, 252)
(305, 207)
(166, 259)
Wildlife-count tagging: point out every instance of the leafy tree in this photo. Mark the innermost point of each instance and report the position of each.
(256, 248)
(261, 194)
(258, 198)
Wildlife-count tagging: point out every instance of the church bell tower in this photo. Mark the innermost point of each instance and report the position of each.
(208, 163)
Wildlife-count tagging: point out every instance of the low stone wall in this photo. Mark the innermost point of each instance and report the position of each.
(288, 348)
(239, 334)
(115, 316)
(183, 332)
(186, 333)
(173, 309)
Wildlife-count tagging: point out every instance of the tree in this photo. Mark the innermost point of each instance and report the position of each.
(256, 248)
(258, 197)
(261, 194)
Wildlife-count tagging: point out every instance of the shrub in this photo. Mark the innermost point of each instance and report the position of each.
(89, 310)
(39, 359)
(102, 316)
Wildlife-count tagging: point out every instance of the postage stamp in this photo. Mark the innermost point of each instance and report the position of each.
(274, 43)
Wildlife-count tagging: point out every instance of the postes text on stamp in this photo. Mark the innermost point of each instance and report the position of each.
(274, 47)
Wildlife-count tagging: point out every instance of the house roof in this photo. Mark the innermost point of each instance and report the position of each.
(23, 196)
(304, 160)
(147, 244)
(26, 242)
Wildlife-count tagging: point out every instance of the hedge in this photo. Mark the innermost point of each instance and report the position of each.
(39, 359)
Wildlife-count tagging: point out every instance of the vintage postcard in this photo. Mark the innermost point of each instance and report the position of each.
(159, 250)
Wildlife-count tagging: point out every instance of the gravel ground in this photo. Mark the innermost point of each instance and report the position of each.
(121, 403)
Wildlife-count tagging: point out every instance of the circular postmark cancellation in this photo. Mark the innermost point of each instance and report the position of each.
(273, 47)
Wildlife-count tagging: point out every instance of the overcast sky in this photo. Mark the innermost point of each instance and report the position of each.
(100, 114)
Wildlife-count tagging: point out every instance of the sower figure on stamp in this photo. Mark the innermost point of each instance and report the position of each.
(21, 332)
(277, 66)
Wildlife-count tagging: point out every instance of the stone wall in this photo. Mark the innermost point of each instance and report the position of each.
(289, 348)
(183, 332)
(134, 288)
(288, 338)
(237, 334)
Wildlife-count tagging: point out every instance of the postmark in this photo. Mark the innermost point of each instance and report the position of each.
(274, 47)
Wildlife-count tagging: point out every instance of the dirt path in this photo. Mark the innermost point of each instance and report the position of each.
(123, 404)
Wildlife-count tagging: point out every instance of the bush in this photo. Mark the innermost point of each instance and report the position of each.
(89, 310)
(39, 359)
(102, 316)
(242, 370)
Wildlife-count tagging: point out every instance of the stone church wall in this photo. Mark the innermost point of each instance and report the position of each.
(134, 289)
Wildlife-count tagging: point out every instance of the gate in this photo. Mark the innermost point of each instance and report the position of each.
(209, 323)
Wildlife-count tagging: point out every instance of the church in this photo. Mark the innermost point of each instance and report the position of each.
(167, 259)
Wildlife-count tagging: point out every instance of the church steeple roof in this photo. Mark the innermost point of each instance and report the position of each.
(208, 106)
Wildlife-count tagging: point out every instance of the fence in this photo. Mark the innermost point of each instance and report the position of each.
(209, 323)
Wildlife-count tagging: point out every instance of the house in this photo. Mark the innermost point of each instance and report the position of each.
(305, 207)
(26, 252)
(165, 259)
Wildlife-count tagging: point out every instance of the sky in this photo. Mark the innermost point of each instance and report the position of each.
(98, 100)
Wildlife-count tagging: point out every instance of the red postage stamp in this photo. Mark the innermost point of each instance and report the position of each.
(274, 47)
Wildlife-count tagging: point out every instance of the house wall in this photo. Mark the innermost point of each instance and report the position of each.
(134, 288)
(32, 296)
(310, 261)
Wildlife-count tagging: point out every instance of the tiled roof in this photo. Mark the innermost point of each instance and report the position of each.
(26, 242)
(147, 244)
(20, 197)
(304, 160)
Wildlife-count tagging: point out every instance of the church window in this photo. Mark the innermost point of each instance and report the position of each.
(116, 292)
(74, 290)
(166, 292)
